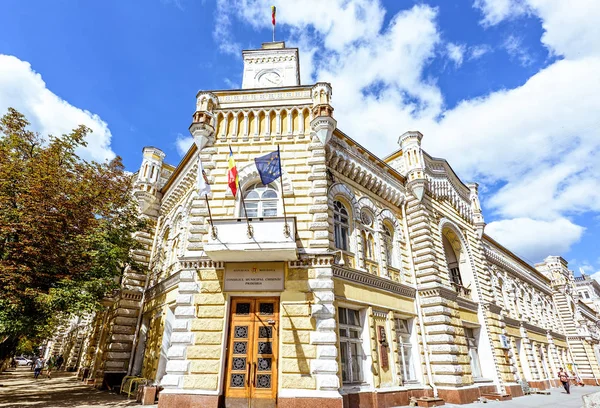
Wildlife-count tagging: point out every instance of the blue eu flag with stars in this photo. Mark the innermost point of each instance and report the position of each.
(269, 167)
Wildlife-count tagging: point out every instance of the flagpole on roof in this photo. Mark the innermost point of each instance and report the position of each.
(286, 227)
(273, 11)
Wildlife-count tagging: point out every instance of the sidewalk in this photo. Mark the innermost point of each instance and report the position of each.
(20, 389)
(558, 399)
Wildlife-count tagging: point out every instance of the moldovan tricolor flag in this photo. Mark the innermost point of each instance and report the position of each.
(232, 174)
(273, 11)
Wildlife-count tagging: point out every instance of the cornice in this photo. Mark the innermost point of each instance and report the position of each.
(366, 279)
(534, 328)
(512, 322)
(494, 308)
(345, 160)
(467, 304)
(163, 286)
(500, 259)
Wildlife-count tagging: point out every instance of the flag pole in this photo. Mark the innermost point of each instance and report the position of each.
(241, 192)
(250, 233)
(213, 230)
(286, 227)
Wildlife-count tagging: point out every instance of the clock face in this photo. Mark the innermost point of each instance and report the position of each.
(269, 79)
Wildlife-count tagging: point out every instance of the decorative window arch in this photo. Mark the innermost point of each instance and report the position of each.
(458, 259)
(261, 200)
(341, 226)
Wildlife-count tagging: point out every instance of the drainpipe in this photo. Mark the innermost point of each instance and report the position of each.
(418, 304)
(141, 313)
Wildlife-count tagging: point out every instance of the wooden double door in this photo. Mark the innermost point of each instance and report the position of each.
(251, 373)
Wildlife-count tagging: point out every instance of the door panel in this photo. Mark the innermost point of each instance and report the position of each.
(251, 375)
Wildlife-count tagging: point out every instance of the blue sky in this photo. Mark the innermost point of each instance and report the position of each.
(506, 90)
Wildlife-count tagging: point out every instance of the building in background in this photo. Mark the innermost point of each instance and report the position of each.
(376, 283)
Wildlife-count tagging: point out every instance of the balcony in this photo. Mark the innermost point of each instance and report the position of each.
(230, 241)
(461, 290)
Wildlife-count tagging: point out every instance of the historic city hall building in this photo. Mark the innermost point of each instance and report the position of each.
(375, 285)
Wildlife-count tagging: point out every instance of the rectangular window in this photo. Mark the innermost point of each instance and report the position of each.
(350, 345)
(407, 364)
(473, 355)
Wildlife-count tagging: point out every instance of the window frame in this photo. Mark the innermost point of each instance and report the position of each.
(404, 339)
(260, 189)
(473, 345)
(341, 229)
(388, 245)
(347, 342)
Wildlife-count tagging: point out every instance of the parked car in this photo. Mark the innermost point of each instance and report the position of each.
(22, 361)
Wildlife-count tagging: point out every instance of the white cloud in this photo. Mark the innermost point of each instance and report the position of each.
(24, 89)
(534, 240)
(571, 29)
(515, 48)
(494, 11)
(183, 143)
(478, 51)
(456, 53)
(537, 140)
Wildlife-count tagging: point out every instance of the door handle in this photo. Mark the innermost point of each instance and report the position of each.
(254, 376)
(248, 376)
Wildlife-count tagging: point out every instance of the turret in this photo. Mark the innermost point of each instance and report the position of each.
(323, 123)
(476, 208)
(414, 163)
(202, 127)
(147, 184)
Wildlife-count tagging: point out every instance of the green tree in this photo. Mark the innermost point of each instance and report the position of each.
(66, 229)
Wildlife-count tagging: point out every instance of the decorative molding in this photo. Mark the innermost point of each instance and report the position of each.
(494, 256)
(346, 160)
(163, 286)
(467, 304)
(533, 328)
(366, 279)
(494, 308)
(311, 262)
(266, 96)
(512, 322)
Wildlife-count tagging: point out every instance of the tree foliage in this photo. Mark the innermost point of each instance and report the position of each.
(66, 227)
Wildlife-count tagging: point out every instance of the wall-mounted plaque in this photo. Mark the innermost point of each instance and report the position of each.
(254, 276)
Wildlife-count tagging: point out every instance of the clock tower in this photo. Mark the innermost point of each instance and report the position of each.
(270, 67)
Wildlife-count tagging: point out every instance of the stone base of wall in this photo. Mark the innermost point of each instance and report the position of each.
(460, 395)
(187, 401)
(383, 399)
(514, 390)
(589, 381)
(541, 385)
(309, 402)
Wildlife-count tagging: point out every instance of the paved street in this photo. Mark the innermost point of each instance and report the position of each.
(20, 389)
(558, 399)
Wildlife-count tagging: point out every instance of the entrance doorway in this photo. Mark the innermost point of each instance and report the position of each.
(251, 374)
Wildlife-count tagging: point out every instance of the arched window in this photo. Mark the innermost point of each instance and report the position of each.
(388, 243)
(341, 226)
(261, 201)
(455, 277)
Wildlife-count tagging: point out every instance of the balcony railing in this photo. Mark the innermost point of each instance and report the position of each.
(461, 290)
(260, 239)
(372, 267)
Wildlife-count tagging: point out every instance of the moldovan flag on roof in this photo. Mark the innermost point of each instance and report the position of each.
(273, 11)
(232, 174)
